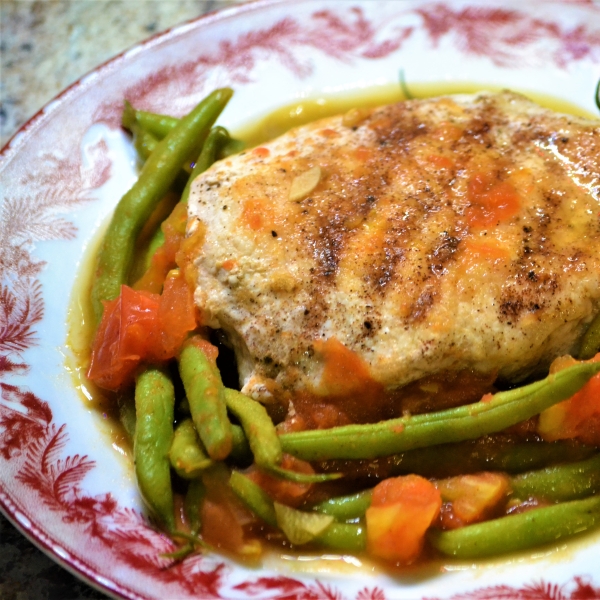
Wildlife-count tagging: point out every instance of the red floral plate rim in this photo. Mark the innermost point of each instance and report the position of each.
(102, 535)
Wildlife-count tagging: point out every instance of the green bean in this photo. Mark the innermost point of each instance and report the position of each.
(347, 507)
(297, 477)
(136, 206)
(156, 241)
(156, 124)
(344, 536)
(258, 427)
(406, 93)
(561, 482)
(180, 554)
(253, 497)
(154, 407)
(186, 454)
(519, 532)
(126, 405)
(263, 439)
(159, 125)
(193, 503)
(194, 539)
(590, 344)
(445, 460)
(206, 396)
(144, 141)
(557, 484)
(216, 139)
(240, 450)
(233, 146)
(466, 422)
(341, 536)
(128, 117)
(527, 456)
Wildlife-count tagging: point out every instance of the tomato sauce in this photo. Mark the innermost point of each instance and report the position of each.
(348, 394)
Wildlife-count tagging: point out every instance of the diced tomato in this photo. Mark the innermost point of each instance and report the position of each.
(578, 417)
(163, 259)
(223, 517)
(281, 490)
(471, 498)
(210, 350)
(219, 526)
(440, 162)
(176, 313)
(261, 152)
(401, 511)
(138, 327)
(128, 332)
(491, 200)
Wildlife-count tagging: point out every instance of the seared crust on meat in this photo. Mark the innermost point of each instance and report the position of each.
(442, 235)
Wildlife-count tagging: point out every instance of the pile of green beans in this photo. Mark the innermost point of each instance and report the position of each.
(213, 424)
(157, 176)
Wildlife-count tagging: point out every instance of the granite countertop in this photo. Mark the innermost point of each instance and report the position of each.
(45, 46)
(48, 44)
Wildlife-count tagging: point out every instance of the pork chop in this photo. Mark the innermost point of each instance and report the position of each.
(429, 236)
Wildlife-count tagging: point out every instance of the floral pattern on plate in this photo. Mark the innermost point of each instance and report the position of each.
(61, 482)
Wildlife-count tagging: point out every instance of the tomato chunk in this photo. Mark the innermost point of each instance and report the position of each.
(283, 491)
(401, 511)
(224, 518)
(470, 498)
(578, 417)
(163, 259)
(140, 326)
(176, 313)
(128, 332)
(492, 201)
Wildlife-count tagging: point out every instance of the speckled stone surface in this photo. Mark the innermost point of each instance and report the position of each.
(45, 46)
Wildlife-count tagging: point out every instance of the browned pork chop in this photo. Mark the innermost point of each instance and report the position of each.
(442, 235)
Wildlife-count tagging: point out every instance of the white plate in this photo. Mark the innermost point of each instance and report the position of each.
(62, 482)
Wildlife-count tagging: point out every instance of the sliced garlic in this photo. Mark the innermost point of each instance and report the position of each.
(355, 116)
(353, 222)
(304, 184)
(301, 527)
